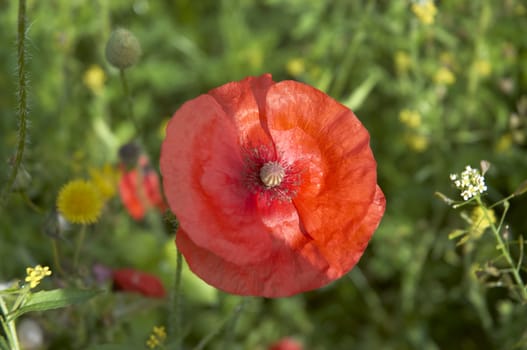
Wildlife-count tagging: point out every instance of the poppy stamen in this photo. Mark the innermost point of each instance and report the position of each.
(272, 174)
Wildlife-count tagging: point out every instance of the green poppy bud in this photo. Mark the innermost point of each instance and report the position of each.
(123, 49)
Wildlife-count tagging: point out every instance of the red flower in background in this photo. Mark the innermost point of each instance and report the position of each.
(140, 189)
(130, 280)
(274, 186)
(286, 344)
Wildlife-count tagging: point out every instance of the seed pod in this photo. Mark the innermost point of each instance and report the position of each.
(123, 49)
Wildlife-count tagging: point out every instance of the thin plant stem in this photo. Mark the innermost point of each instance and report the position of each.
(370, 296)
(78, 248)
(506, 199)
(231, 326)
(129, 100)
(176, 313)
(22, 109)
(30, 203)
(56, 257)
(205, 340)
(505, 252)
(9, 327)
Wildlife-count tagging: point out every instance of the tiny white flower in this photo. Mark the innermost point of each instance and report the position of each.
(470, 182)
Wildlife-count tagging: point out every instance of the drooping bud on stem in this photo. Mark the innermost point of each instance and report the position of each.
(272, 174)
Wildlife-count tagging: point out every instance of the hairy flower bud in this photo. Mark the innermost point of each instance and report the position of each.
(123, 49)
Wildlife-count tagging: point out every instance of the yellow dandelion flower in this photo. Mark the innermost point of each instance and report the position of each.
(425, 10)
(106, 180)
(94, 79)
(296, 66)
(444, 76)
(403, 62)
(36, 274)
(410, 118)
(79, 201)
(481, 219)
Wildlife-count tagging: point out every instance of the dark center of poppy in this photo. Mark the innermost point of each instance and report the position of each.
(272, 174)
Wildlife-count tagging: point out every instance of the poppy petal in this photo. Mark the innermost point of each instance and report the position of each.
(202, 165)
(130, 280)
(283, 274)
(346, 188)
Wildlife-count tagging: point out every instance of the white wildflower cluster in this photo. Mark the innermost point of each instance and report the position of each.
(470, 182)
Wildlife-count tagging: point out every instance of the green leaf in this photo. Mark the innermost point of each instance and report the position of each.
(361, 93)
(52, 299)
(456, 233)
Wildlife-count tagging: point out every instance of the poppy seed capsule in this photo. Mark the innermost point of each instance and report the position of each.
(272, 174)
(123, 49)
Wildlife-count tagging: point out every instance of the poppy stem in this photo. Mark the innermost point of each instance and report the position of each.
(129, 100)
(231, 326)
(204, 341)
(175, 314)
(22, 109)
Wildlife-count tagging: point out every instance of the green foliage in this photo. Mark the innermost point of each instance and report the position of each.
(51, 299)
(462, 81)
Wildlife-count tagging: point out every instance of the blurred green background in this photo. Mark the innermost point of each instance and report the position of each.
(434, 96)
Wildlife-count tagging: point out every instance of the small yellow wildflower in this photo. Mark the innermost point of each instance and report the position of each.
(444, 76)
(79, 201)
(481, 219)
(417, 142)
(36, 274)
(425, 10)
(157, 337)
(94, 79)
(106, 180)
(402, 61)
(296, 66)
(504, 143)
(482, 68)
(410, 118)
(160, 332)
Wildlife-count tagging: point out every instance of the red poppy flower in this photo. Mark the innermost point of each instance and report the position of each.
(274, 186)
(286, 344)
(140, 190)
(130, 280)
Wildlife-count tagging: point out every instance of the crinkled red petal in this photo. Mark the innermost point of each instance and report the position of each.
(284, 273)
(307, 124)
